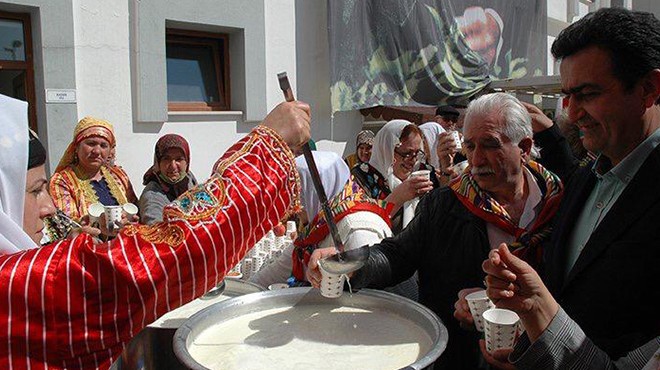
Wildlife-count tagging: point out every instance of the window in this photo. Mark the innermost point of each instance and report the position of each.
(16, 71)
(197, 71)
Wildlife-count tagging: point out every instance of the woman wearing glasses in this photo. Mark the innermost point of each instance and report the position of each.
(396, 153)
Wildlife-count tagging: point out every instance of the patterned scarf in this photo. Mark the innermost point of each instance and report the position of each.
(371, 180)
(482, 205)
(352, 199)
(173, 189)
(86, 127)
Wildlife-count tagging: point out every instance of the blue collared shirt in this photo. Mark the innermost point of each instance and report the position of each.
(610, 183)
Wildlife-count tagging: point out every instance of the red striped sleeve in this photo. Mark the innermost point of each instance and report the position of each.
(75, 304)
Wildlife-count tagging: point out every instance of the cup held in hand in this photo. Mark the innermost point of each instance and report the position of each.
(457, 139)
(332, 285)
(130, 209)
(479, 303)
(113, 216)
(501, 328)
(460, 167)
(95, 210)
(421, 173)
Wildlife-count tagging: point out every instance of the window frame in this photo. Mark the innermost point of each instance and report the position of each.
(27, 66)
(212, 40)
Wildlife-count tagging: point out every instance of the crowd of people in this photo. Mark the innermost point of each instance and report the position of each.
(559, 231)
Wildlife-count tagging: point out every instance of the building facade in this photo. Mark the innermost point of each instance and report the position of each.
(205, 69)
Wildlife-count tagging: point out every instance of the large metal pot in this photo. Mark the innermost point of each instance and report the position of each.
(409, 312)
(151, 349)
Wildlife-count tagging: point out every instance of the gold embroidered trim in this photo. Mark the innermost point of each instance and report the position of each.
(198, 203)
(115, 187)
(158, 233)
(82, 182)
(283, 153)
(222, 166)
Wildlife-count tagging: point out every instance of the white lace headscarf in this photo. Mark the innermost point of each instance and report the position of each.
(387, 138)
(431, 130)
(13, 172)
(334, 174)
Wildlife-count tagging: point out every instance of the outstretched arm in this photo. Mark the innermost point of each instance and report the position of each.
(73, 304)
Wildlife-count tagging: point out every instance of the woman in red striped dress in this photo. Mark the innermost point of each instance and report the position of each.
(75, 303)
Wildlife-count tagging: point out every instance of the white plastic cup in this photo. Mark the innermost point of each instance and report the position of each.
(130, 209)
(421, 173)
(112, 215)
(332, 285)
(457, 139)
(501, 327)
(479, 303)
(95, 210)
(291, 228)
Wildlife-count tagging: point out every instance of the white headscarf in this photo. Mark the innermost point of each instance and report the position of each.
(334, 174)
(431, 130)
(13, 173)
(382, 153)
(382, 156)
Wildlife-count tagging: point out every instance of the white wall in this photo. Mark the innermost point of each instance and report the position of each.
(280, 48)
(103, 79)
(335, 133)
(103, 82)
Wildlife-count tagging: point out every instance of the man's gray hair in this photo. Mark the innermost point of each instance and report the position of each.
(517, 121)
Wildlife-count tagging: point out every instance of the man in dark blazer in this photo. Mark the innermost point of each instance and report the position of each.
(603, 259)
(605, 249)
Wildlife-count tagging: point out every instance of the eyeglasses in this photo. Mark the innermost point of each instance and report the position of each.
(413, 154)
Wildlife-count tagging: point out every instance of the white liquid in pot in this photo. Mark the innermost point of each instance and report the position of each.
(312, 337)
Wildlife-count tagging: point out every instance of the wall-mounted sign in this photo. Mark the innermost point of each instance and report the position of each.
(60, 96)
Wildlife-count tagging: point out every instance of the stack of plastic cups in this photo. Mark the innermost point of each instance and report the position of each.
(265, 247)
(236, 268)
(255, 250)
(280, 242)
(257, 263)
(246, 267)
(265, 258)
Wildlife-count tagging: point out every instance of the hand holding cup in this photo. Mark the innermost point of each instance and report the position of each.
(332, 285)
(410, 188)
(462, 308)
(446, 149)
(513, 284)
(313, 272)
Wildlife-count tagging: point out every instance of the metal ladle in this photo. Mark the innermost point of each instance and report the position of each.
(343, 262)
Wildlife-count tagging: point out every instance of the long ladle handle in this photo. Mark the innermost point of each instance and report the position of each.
(314, 172)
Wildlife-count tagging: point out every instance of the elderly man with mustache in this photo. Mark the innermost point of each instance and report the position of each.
(503, 197)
